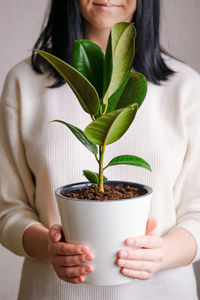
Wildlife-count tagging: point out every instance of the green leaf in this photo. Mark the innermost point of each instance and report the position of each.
(82, 88)
(108, 66)
(80, 136)
(129, 160)
(88, 58)
(93, 177)
(121, 48)
(110, 127)
(114, 36)
(114, 98)
(134, 91)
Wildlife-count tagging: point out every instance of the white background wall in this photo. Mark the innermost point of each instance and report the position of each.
(20, 23)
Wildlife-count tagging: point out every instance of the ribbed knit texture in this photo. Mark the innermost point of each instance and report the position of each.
(36, 157)
(40, 282)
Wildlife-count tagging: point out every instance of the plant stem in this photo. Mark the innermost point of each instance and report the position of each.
(105, 167)
(101, 155)
(97, 159)
(106, 106)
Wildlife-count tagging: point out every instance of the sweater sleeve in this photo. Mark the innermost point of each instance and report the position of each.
(16, 180)
(187, 188)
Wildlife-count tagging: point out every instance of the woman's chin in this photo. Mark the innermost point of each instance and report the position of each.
(105, 24)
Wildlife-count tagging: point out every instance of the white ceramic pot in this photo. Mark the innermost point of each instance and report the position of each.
(103, 226)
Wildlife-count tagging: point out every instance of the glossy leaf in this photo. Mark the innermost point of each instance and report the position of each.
(114, 99)
(129, 160)
(79, 134)
(88, 58)
(134, 91)
(110, 127)
(108, 66)
(93, 177)
(115, 34)
(122, 46)
(82, 88)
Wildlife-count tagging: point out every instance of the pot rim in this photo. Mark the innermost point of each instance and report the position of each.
(88, 183)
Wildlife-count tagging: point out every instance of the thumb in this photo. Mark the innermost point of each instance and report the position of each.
(55, 233)
(151, 225)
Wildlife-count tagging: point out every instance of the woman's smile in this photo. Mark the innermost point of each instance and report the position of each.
(102, 14)
(106, 5)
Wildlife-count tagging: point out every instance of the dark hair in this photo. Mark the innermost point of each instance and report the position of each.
(65, 25)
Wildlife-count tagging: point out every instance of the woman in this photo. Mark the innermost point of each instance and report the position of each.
(38, 157)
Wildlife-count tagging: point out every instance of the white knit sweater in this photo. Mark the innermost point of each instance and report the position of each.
(37, 156)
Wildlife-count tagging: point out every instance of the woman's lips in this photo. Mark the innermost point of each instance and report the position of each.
(107, 5)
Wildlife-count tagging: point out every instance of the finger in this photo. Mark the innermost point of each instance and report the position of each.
(142, 254)
(69, 249)
(139, 265)
(70, 260)
(136, 274)
(55, 233)
(151, 225)
(146, 241)
(68, 272)
(75, 280)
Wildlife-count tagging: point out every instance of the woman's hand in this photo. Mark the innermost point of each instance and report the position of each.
(68, 259)
(146, 256)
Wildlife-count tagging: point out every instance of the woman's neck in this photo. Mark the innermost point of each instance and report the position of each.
(98, 36)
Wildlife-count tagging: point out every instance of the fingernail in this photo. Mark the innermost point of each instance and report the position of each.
(82, 278)
(125, 271)
(123, 254)
(131, 242)
(121, 262)
(88, 269)
(89, 257)
(80, 250)
(84, 249)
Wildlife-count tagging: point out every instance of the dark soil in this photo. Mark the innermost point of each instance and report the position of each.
(111, 192)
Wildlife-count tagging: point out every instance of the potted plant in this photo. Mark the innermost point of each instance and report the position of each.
(101, 213)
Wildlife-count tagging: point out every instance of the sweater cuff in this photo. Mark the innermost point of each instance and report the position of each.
(12, 238)
(193, 227)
